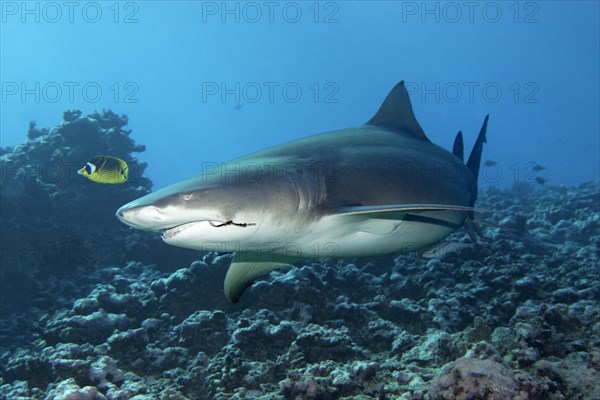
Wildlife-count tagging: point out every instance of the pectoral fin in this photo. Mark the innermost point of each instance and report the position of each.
(398, 211)
(405, 212)
(245, 269)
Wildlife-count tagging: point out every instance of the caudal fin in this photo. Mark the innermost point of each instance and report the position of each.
(475, 157)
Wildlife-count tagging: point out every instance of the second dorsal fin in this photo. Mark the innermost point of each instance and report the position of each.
(396, 113)
(458, 149)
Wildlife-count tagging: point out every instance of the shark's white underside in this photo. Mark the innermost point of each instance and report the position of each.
(335, 236)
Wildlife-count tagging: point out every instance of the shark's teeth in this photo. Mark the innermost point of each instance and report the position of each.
(172, 232)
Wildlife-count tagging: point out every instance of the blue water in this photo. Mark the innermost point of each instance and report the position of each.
(204, 82)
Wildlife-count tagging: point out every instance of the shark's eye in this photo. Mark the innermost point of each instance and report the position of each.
(186, 197)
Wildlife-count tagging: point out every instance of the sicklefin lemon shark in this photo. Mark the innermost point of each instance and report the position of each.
(378, 188)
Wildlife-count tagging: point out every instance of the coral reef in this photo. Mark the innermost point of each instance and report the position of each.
(55, 223)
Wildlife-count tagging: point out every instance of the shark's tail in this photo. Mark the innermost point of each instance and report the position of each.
(473, 163)
(475, 157)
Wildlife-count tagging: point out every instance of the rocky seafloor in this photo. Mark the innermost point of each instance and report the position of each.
(515, 316)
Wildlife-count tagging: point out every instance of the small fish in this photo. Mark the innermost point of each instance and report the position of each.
(538, 167)
(105, 169)
(540, 180)
(489, 163)
(441, 249)
(238, 106)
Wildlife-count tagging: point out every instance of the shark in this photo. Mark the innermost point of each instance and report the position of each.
(375, 189)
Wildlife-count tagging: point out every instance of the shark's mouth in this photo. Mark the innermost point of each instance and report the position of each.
(174, 231)
(170, 233)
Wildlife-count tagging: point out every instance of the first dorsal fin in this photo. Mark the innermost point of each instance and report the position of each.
(396, 113)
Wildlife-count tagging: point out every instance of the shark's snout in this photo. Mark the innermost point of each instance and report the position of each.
(141, 217)
(121, 214)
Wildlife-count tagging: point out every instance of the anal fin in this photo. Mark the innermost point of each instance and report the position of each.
(245, 269)
(473, 229)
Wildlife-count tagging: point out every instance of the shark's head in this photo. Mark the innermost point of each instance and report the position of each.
(209, 214)
(193, 217)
